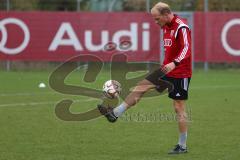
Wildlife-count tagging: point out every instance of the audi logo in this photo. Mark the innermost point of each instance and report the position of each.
(225, 30)
(3, 41)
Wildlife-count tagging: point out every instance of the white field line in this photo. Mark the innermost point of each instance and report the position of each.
(215, 87)
(56, 93)
(41, 103)
(89, 99)
(26, 94)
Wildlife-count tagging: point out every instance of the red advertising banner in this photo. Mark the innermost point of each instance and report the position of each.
(57, 36)
(216, 37)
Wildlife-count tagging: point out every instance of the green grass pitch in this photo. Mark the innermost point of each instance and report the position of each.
(30, 130)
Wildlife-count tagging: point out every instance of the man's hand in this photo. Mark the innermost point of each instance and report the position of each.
(168, 67)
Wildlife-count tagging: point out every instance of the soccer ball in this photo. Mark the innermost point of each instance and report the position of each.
(112, 89)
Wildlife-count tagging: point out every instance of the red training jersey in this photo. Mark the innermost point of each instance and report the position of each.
(177, 47)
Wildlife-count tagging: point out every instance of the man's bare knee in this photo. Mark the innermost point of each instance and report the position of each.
(143, 86)
(179, 105)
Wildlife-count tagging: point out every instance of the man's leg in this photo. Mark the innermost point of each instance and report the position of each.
(181, 147)
(133, 98)
(179, 106)
(153, 80)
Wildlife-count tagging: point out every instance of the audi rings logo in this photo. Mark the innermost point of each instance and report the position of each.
(3, 41)
(225, 30)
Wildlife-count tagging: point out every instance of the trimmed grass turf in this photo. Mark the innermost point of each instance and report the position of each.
(31, 130)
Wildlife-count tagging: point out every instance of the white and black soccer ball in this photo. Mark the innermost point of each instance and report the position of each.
(112, 89)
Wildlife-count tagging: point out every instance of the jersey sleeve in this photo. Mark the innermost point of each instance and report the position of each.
(183, 37)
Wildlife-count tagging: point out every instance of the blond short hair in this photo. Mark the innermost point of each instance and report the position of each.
(161, 8)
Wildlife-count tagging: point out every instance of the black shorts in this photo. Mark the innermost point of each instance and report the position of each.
(177, 87)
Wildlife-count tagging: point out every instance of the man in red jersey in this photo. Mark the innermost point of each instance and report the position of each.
(177, 69)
